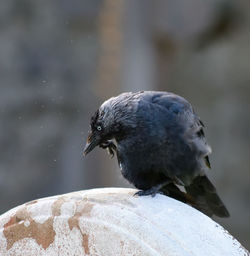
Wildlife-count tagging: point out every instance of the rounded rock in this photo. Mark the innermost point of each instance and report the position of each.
(112, 221)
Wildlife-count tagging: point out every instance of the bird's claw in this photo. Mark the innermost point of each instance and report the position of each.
(110, 146)
(153, 190)
(149, 192)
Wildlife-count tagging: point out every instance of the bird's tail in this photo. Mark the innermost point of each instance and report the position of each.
(202, 195)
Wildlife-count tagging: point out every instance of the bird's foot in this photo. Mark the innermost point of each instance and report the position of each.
(149, 192)
(152, 191)
(110, 146)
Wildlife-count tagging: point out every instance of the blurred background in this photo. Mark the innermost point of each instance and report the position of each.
(59, 60)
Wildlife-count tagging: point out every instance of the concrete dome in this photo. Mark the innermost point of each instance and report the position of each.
(111, 221)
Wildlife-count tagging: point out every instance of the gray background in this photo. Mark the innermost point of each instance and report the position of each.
(59, 60)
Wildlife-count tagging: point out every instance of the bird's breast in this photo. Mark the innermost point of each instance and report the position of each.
(141, 165)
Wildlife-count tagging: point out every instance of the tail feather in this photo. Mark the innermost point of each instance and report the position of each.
(201, 194)
(173, 191)
(205, 198)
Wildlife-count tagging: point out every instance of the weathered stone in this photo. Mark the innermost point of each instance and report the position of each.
(112, 222)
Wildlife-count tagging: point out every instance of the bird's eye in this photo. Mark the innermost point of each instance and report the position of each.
(99, 128)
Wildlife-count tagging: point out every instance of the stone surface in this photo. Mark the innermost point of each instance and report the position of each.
(112, 221)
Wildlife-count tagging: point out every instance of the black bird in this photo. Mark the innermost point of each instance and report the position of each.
(160, 146)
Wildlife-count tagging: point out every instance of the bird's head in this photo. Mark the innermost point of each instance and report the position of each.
(102, 127)
(112, 120)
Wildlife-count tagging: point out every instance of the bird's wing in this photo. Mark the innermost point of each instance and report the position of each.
(182, 112)
(170, 102)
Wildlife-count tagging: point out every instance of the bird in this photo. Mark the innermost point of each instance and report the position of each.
(160, 146)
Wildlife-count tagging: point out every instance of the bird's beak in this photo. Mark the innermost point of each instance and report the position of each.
(92, 142)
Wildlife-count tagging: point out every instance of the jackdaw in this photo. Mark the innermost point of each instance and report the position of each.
(160, 146)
